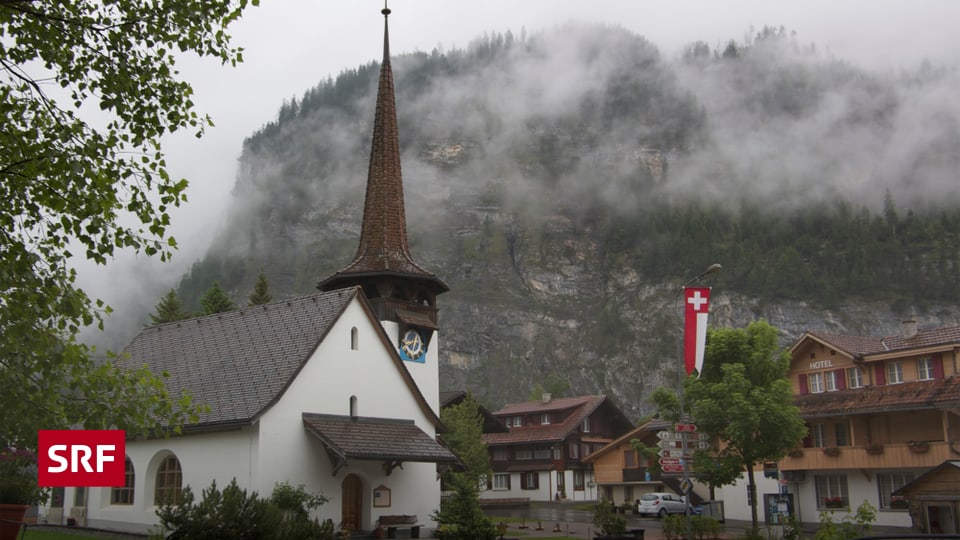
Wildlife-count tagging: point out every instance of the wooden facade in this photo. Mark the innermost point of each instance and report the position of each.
(543, 455)
(881, 412)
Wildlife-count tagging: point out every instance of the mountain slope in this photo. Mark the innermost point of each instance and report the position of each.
(564, 186)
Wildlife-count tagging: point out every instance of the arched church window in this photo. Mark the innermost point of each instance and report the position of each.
(124, 495)
(353, 406)
(169, 486)
(354, 339)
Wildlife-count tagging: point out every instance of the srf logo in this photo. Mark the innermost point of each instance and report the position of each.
(81, 458)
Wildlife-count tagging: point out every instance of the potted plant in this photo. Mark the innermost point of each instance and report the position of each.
(874, 449)
(831, 451)
(918, 447)
(18, 489)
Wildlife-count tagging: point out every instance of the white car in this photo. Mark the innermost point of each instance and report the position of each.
(660, 504)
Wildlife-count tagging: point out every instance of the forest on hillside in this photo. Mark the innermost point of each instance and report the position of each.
(796, 233)
(564, 184)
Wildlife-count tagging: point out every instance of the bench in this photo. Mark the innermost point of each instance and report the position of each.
(394, 522)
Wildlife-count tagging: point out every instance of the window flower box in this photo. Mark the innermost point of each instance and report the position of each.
(874, 449)
(898, 501)
(918, 447)
(834, 502)
(831, 451)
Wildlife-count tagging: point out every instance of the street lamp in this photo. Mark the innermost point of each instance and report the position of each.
(713, 268)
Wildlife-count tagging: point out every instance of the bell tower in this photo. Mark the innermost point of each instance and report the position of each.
(402, 294)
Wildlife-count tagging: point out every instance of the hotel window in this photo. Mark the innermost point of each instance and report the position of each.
(854, 378)
(530, 480)
(842, 434)
(542, 453)
(819, 438)
(887, 483)
(585, 426)
(500, 454)
(578, 480)
(515, 421)
(925, 369)
(561, 482)
(523, 454)
(574, 450)
(831, 490)
(629, 459)
(894, 372)
(501, 481)
(169, 486)
(557, 453)
(124, 495)
(815, 380)
(830, 380)
(544, 419)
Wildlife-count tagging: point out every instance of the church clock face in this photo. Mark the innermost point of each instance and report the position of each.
(412, 346)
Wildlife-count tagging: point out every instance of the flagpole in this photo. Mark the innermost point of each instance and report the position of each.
(680, 374)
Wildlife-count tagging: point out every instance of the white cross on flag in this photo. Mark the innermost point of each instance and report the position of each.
(696, 304)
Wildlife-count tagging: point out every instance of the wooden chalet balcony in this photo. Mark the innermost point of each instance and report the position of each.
(894, 455)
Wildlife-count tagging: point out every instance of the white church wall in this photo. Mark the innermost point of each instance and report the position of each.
(203, 458)
(325, 385)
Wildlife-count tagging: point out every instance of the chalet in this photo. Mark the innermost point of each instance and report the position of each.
(882, 413)
(622, 474)
(542, 455)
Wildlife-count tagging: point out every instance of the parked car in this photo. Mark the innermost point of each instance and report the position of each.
(660, 504)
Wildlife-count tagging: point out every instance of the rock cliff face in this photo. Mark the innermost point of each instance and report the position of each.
(525, 168)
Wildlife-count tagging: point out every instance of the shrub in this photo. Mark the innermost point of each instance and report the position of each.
(851, 526)
(705, 527)
(606, 520)
(674, 526)
(233, 513)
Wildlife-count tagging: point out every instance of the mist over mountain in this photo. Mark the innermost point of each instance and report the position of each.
(565, 184)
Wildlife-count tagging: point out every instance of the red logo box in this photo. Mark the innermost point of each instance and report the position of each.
(81, 458)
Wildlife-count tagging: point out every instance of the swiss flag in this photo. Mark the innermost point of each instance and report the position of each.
(696, 301)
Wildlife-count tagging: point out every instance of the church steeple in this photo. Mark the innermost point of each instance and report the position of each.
(383, 266)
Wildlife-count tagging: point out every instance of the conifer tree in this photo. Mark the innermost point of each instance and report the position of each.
(215, 300)
(261, 292)
(169, 309)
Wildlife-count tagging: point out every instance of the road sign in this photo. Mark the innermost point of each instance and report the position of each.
(672, 469)
(671, 453)
(698, 445)
(674, 436)
(685, 427)
(668, 443)
(669, 461)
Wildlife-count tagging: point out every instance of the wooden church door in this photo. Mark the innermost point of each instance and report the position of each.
(351, 492)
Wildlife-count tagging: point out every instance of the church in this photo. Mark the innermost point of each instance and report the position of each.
(338, 391)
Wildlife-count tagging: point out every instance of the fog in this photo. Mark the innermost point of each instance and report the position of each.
(294, 44)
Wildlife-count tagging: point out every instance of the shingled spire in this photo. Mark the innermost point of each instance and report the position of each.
(383, 265)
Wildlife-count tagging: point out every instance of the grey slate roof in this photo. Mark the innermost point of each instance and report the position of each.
(375, 438)
(238, 362)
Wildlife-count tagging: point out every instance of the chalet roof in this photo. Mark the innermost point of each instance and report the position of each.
(240, 362)
(365, 438)
(577, 409)
(861, 346)
(911, 488)
(651, 426)
(491, 424)
(938, 393)
(383, 248)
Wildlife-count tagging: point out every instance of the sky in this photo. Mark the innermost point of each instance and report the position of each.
(292, 45)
